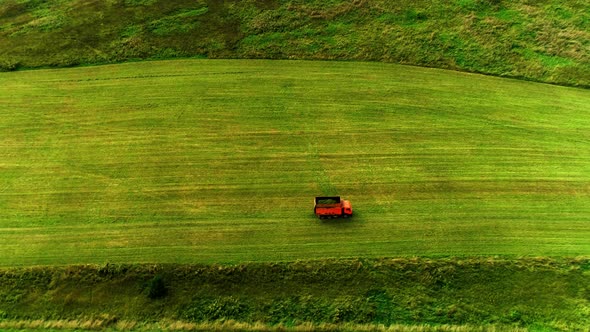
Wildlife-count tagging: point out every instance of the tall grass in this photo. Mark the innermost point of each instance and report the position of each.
(537, 40)
(412, 294)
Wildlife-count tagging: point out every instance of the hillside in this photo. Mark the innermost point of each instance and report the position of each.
(546, 40)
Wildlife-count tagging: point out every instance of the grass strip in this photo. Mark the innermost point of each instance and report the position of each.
(451, 294)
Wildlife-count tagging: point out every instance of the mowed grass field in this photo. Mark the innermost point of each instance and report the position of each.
(219, 161)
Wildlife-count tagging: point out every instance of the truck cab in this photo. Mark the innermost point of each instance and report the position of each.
(346, 208)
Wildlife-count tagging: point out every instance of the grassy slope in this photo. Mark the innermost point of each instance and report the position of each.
(464, 294)
(218, 161)
(546, 40)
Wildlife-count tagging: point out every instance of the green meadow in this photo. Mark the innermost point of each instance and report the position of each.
(177, 195)
(201, 161)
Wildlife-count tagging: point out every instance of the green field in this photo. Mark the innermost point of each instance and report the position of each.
(219, 160)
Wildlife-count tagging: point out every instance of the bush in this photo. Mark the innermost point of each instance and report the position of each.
(156, 288)
(9, 65)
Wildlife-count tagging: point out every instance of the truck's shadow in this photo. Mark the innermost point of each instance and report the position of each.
(350, 222)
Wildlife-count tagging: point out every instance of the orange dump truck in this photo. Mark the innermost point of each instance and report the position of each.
(331, 207)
